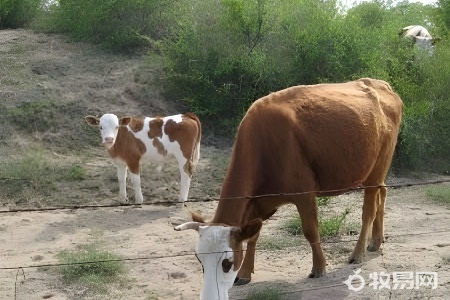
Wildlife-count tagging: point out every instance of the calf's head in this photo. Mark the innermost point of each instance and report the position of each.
(219, 250)
(109, 127)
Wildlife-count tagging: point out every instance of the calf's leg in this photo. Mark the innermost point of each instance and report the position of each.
(185, 178)
(136, 180)
(122, 177)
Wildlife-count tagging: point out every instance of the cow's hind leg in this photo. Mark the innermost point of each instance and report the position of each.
(248, 265)
(186, 170)
(378, 223)
(371, 203)
(307, 208)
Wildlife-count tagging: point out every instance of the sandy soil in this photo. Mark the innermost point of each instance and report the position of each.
(161, 263)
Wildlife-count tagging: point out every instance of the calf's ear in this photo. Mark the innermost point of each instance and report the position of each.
(91, 120)
(124, 121)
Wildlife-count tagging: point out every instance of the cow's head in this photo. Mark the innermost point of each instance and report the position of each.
(109, 127)
(220, 251)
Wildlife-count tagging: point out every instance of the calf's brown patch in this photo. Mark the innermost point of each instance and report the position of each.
(155, 126)
(159, 146)
(183, 133)
(136, 124)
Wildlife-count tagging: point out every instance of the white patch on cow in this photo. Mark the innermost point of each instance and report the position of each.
(109, 127)
(175, 118)
(212, 248)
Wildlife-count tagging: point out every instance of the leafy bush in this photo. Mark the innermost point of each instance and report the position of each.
(226, 54)
(220, 56)
(17, 13)
(118, 24)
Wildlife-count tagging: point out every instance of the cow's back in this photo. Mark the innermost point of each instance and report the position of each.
(327, 136)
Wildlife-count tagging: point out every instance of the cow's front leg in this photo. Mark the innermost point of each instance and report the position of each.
(136, 180)
(122, 176)
(244, 275)
(307, 209)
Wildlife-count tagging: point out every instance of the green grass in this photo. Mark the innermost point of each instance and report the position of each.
(265, 294)
(277, 243)
(77, 172)
(35, 171)
(331, 226)
(37, 115)
(328, 226)
(439, 193)
(95, 275)
(323, 200)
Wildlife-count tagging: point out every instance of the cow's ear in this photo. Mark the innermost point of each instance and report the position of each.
(124, 121)
(248, 231)
(91, 120)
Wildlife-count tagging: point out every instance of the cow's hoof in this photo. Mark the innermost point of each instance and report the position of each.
(355, 259)
(241, 281)
(316, 273)
(372, 248)
(374, 245)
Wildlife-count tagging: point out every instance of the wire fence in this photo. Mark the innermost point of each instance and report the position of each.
(198, 200)
(21, 269)
(190, 253)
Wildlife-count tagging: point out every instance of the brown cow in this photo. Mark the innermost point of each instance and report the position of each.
(304, 138)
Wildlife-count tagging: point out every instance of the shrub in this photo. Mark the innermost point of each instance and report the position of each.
(17, 13)
(118, 24)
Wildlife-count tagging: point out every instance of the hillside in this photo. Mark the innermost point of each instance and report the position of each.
(48, 84)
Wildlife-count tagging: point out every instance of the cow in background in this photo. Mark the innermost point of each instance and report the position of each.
(419, 36)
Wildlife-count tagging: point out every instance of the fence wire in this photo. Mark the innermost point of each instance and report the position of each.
(190, 253)
(199, 200)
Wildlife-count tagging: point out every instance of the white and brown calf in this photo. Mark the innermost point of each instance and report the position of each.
(131, 139)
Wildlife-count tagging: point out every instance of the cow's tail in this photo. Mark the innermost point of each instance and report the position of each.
(195, 154)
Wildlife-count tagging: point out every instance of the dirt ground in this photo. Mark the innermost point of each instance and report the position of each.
(78, 79)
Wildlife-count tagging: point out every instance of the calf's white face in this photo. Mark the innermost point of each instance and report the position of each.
(109, 127)
(219, 250)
